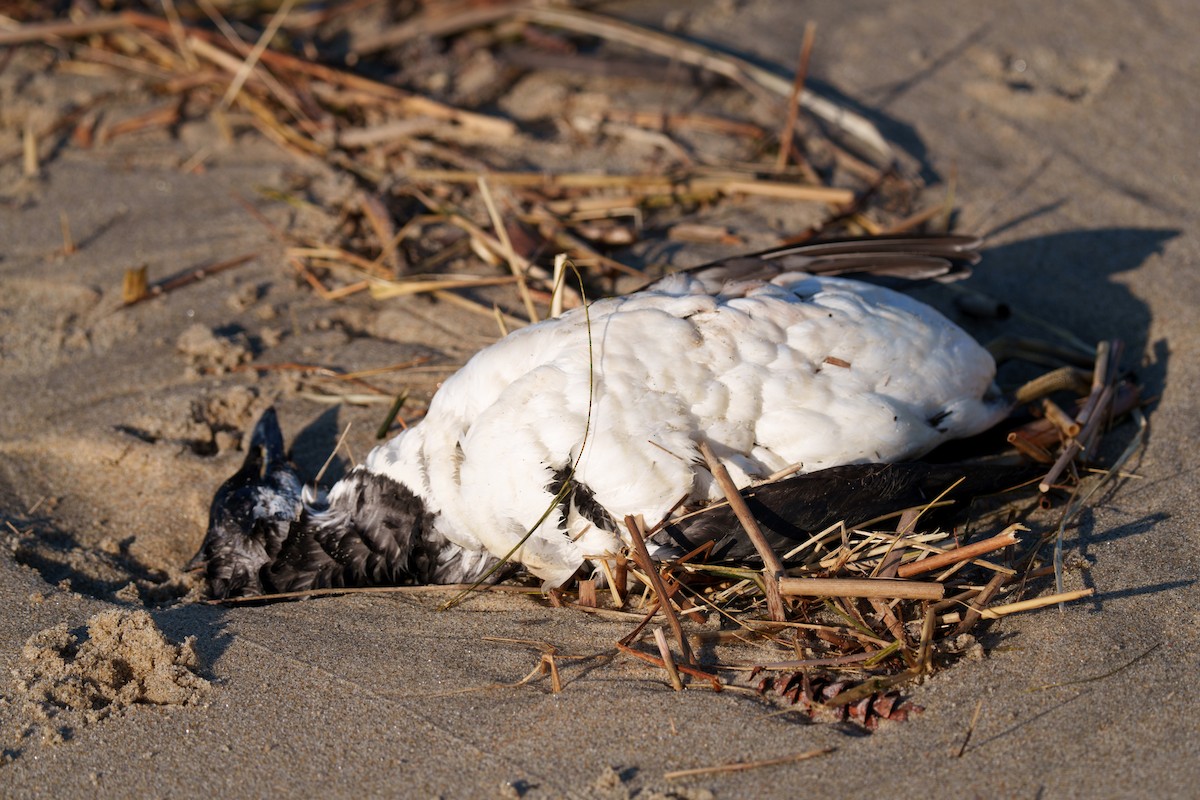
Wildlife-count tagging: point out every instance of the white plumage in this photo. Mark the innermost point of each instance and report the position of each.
(807, 370)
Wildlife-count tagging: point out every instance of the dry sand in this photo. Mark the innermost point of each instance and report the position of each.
(1072, 132)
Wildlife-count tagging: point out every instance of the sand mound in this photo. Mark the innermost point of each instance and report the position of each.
(125, 659)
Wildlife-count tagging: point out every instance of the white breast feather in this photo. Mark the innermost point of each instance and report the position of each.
(759, 370)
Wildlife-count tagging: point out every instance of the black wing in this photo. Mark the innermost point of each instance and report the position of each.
(793, 509)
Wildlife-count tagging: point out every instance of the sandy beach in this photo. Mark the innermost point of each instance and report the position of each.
(1069, 134)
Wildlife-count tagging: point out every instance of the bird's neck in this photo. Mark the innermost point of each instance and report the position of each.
(374, 531)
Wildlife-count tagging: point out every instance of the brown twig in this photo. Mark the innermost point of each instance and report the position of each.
(789, 127)
(642, 557)
(772, 566)
(996, 612)
(713, 680)
(189, 278)
(660, 639)
(886, 588)
(964, 553)
(741, 766)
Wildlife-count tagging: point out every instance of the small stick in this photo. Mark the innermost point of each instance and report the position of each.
(478, 308)
(741, 766)
(660, 638)
(618, 593)
(175, 25)
(772, 566)
(978, 602)
(686, 670)
(964, 553)
(925, 649)
(30, 149)
(642, 556)
(789, 127)
(384, 290)
(960, 598)
(548, 664)
(1100, 373)
(69, 247)
(556, 295)
(1060, 419)
(426, 588)
(1096, 413)
(836, 661)
(510, 255)
(194, 276)
(642, 184)
(162, 116)
(889, 618)
(49, 31)
(996, 612)
(884, 588)
(1043, 433)
(887, 569)
(970, 729)
(1063, 378)
(341, 440)
(1029, 448)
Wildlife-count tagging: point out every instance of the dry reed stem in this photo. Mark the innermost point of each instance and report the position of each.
(964, 553)
(970, 729)
(772, 566)
(556, 294)
(441, 588)
(660, 639)
(29, 142)
(515, 263)
(996, 612)
(741, 766)
(251, 60)
(1067, 426)
(547, 660)
(1029, 448)
(587, 593)
(384, 290)
(1097, 412)
(642, 557)
(505, 321)
(883, 588)
(793, 108)
(49, 32)
(977, 603)
(714, 681)
(198, 274)
(68, 247)
(642, 184)
(914, 519)
(411, 103)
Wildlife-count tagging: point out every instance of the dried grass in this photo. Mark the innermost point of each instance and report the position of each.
(841, 604)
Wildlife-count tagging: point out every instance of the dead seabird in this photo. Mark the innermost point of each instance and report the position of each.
(769, 363)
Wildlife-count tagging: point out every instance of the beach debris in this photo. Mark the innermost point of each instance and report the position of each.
(441, 183)
(432, 162)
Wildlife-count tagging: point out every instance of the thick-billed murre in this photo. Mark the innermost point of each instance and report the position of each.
(769, 363)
